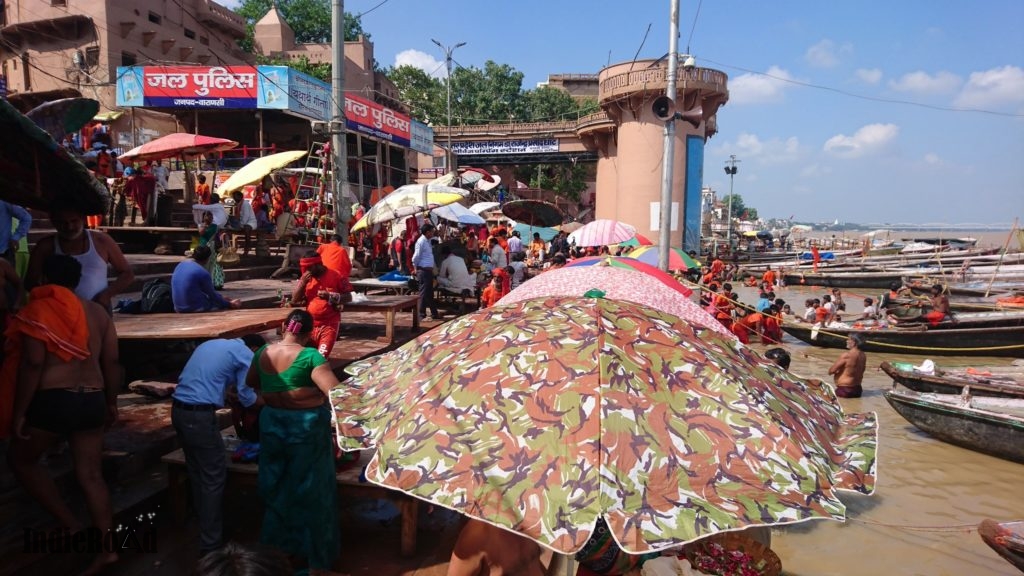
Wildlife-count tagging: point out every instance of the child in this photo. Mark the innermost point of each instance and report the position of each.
(492, 293)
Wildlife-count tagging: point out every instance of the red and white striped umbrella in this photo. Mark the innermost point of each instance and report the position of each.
(602, 233)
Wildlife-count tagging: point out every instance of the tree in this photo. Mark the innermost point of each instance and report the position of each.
(739, 209)
(423, 94)
(485, 96)
(548, 104)
(565, 180)
(310, 19)
(321, 71)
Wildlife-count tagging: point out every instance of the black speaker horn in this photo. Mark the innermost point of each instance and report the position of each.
(664, 108)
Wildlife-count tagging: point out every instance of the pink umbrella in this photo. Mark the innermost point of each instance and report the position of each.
(617, 284)
(179, 144)
(602, 233)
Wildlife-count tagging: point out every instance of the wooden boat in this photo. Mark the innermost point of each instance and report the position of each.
(1006, 538)
(994, 318)
(958, 304)
(980, 381)
(844, 279)
(1002, 341)
(990, 425)
(924, 286)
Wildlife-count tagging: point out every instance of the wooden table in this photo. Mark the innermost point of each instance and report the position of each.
(349, 488)
(389, 286)
(198, 325)
(390, 306)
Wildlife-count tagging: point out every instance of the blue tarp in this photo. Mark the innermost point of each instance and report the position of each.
(526, 232)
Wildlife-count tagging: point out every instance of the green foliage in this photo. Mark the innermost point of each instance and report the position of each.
(320, 71)
(310, 19)
(483, 96)
(739, 209)
(425, 95)
(565, 180)
(547, 104)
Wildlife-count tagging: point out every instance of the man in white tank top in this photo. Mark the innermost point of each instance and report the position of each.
(93, 249)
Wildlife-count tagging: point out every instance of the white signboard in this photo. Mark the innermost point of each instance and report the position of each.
(505, 147)
(422, 137)
(656, 216)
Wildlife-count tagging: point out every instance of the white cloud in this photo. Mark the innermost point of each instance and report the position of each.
(421, 60)
(815, 171)
(993, 87)
(825, 54)
(866, 140)
(767, 152)
(759, 88)
(932, 158)
(924, 83)
(869, 75)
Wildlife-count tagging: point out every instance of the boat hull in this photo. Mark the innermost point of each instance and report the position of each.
(992, 433)
(981, 386)
(1004, 341)
(840, 280)
(1006, 538)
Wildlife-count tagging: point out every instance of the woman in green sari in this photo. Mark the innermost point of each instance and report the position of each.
(296, 474)
(207, 236)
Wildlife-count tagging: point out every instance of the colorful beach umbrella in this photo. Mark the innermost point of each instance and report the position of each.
(602, 233)
(638, 240)
(628, 284)
(544, 415)
(65, 116)
(179, 144)
(255, 171)
(459, 214)
(632, 264)
(409, 200)
(677, 259)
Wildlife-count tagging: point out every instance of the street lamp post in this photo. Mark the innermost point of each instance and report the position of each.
(448, 62)
(731, 171)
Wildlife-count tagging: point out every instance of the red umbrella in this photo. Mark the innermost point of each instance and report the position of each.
(179, 144)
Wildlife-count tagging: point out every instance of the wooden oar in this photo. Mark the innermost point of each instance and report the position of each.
(1001, 254)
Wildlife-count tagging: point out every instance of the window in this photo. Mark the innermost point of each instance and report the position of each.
(204, 40)
(190, 34)
(127, 59)
(154, 18)
(92, 56)
(58, 2)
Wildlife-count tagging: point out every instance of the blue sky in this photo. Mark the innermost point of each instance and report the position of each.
(808, 147)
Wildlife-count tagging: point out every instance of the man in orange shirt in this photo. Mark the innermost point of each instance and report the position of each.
(335, 257)
(744, 325)
(717, 268)
(815, 256)
(769, 277)
(724, 306)
(323, 293)
(202, 190)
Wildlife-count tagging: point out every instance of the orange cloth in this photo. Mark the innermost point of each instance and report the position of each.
(489, 296)
(203, 193)
(769, 277)
(55, 316)
(323, 312)
(336, 258)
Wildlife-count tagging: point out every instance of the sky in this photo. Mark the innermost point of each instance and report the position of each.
(870, 111)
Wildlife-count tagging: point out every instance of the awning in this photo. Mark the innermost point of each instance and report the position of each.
(108, 116)
(35, 33)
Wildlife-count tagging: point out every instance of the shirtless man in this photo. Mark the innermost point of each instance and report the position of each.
(93, 249)
(939, 304)
(848, 370)
(486, 550)
(74, 398)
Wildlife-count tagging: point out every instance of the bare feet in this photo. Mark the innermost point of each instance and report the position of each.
(100, 563)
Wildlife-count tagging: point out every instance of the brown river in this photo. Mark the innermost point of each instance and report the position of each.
(929, 497)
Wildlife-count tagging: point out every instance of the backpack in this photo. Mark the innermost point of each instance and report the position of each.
(156, 297)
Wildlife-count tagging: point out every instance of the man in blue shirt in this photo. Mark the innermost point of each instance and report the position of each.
(9, 239)
(192, 287)
(215, 366)
(423, 266)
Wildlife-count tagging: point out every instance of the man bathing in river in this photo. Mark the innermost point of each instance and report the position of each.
(848, 370)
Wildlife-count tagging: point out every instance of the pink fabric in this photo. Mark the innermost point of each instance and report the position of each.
(602, 233)
(617, 284)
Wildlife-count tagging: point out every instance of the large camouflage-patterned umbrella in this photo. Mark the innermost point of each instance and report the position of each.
(543, 415)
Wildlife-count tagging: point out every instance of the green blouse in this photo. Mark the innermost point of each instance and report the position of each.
(298, 375)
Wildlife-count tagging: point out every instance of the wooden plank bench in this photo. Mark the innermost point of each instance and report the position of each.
(198, 325)
(390, 306)
(349, 488)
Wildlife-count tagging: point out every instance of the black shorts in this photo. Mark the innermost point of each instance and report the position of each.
(67, 410)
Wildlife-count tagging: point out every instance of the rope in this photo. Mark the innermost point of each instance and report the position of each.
(950, 528)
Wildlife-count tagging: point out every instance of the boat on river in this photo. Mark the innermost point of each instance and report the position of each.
(1006, 538)
(878, 280)
(980, 381)
(1007, 341)
(924, 286)
(957, 319)
(984, 424)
